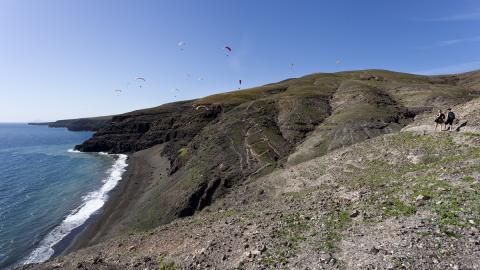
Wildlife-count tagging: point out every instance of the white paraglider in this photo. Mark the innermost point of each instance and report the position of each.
(140, 81)
(181, 45)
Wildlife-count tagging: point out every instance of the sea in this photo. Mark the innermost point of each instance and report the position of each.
(47, 190)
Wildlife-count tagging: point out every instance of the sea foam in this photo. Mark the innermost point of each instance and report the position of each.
(92, 202)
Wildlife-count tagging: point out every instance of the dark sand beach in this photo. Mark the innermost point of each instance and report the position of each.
(145, 168)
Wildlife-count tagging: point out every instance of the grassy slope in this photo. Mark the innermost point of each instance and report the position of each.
(302, 213)
(249, 133)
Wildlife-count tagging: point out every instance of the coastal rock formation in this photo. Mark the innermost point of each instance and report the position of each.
(323, 170)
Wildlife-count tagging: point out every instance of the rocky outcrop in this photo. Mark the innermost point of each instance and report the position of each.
(174, 124)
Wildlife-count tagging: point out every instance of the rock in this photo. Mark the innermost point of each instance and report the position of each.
(354, 213)
(256, 252)
(57, 265)
(130, 248)
(374, 250)
(97, 260)
(325, 257)
(421, 198)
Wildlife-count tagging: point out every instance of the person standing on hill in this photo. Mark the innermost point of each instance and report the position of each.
(450, 118)
(439, 120)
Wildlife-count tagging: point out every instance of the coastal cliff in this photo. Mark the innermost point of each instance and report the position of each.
(81, 124)
(215, 143)
(292, 174)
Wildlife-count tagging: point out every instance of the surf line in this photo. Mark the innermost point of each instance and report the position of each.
(92, 202)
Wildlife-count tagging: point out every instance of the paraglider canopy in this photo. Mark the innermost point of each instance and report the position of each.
(229, 50)
(338, 62)
(140, 80)
(181, 44)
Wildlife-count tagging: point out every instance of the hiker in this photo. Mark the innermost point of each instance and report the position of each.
(450, 118)
(439, 120)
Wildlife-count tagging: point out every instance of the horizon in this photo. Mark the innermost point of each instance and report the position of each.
(70, 60)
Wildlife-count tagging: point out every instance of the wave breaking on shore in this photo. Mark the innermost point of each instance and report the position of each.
(92, 202)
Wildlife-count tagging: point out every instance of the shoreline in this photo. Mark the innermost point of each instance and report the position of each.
(115, 215)
(59, 238)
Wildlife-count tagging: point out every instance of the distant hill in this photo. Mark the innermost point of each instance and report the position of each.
(81, 124)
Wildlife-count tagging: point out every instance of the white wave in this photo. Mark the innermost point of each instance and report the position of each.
(92, 202)
(73, 151)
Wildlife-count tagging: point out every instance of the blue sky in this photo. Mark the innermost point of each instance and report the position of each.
(64, 59)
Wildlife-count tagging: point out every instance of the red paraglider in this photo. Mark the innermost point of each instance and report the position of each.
(229, 49)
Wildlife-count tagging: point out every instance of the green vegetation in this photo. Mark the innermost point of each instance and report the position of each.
(396, 208)
(242, 96)
(183, 152)
(164, 265)
(472, 134)
(273, 261)
(295, 226)
(335, 223)
(395, 186)
(468, 178)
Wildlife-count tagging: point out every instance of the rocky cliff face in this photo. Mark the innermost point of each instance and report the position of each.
(218, 142)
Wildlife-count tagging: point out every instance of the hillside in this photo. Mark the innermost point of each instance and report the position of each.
(327, 171)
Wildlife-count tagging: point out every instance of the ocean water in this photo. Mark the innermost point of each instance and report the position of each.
(47, 190)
